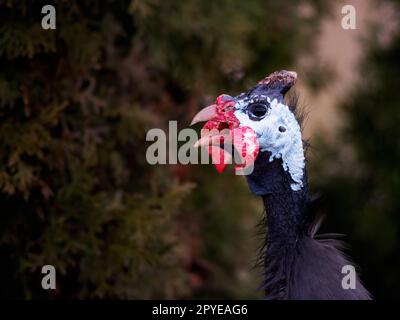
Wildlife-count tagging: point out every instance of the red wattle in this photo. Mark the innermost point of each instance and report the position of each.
(219, 158)
(244, 139)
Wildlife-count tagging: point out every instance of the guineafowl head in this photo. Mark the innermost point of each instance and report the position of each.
(263, 129)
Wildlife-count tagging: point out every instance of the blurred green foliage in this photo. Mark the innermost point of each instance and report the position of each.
(75, 104)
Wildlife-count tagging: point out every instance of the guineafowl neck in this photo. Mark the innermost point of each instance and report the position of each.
(285, 208)
(285, 221)
(285, 215)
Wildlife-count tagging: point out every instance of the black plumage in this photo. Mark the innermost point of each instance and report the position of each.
(297, 265)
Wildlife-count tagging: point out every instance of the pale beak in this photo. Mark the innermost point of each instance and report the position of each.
(213, 139)
(206, 114)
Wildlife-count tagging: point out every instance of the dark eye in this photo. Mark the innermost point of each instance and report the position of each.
(257, 111)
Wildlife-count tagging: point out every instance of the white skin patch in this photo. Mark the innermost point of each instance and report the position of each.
(286, 145)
